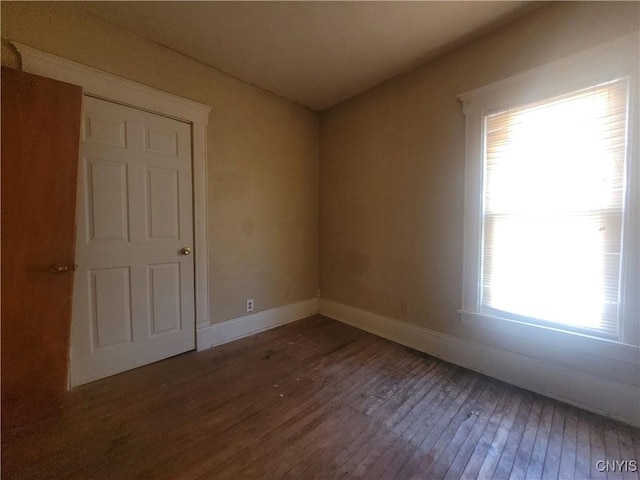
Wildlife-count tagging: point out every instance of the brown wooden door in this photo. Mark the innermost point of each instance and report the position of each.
(40, 141)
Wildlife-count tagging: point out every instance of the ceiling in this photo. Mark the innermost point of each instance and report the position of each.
(313, 53)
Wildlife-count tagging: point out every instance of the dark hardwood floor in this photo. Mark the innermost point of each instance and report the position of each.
(313, 399)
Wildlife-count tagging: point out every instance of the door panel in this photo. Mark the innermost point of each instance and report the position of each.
(162, 204)
(164, 283)
(110, 300)
(40, 139)
(134, 299)
(107, 201)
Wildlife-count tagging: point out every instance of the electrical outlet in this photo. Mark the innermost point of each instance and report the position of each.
(250, 305)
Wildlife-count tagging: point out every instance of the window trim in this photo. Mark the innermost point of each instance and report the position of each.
(601, 64)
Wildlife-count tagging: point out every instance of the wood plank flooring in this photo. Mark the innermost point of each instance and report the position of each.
(314, 399)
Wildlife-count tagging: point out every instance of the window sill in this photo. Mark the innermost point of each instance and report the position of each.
(550, 337)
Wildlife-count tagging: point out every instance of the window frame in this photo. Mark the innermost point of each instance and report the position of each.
(613, 60)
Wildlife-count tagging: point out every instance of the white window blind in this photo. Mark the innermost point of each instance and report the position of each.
(553, 191)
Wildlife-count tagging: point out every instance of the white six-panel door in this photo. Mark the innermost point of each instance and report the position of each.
(134, 288)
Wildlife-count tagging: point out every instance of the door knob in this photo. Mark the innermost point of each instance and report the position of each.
(62, 267)
(185, 251)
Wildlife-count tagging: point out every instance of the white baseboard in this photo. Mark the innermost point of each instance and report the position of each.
(597, 394)
(236, 328)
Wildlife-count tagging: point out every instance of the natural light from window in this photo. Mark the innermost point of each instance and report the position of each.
(552, 208)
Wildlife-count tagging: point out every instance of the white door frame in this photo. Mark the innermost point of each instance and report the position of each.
(109, 87)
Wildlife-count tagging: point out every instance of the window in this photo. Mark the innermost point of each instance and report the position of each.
(549, 220)
(552, 209)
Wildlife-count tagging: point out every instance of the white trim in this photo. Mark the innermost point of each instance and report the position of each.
(112, 88)
(606, 62)
(204, 337)
(553, 337)
(201, 251)
(597, 394)
(611, 58)
(240, 327)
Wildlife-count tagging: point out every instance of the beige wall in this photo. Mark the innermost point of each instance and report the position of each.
(392, 177)
(262, 154)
